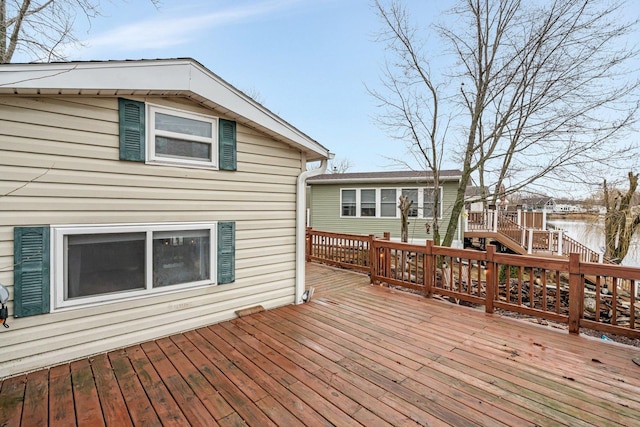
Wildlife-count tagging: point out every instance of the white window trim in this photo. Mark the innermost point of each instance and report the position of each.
(357, 215)
(379, 202)
(359, 204)
(58, 233)
(440, 205)
(152, 158)
(379, 211)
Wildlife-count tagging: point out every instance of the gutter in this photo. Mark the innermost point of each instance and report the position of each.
(381, 180)
(301, 225)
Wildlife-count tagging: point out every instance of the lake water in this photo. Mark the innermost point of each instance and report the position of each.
(591, 234)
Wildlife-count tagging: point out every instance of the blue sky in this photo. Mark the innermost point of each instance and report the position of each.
(309, 61)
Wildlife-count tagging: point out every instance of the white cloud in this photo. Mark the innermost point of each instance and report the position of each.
(169, 30)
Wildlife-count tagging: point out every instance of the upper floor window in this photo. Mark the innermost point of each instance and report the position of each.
(180, 137)
(168, 136)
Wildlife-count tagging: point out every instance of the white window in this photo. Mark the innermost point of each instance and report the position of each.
(179, 137)
(428, 203)
(388, 203)
(94, 264)
(368, 202)
(412, 194)
(383, 202)
(348, 203)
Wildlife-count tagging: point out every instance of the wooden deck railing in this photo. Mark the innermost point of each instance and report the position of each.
(570, 291)
(532, 239)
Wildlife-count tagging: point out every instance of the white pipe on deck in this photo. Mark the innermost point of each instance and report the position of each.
(301, 224)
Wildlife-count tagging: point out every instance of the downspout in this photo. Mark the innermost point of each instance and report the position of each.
(301, 225)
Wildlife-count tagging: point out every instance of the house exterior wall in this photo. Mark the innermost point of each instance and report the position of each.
(59, 164)
(325, 211)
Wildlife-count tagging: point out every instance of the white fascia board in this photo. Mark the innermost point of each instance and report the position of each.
(116, 75)
(179, 75)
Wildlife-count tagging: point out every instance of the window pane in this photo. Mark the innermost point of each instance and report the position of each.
(348, 202)
(178, 148)
(412, 193)
(428, 203)
(388, 202)
(180, 257)
(104, 263)
(367, 202)
(183, 125)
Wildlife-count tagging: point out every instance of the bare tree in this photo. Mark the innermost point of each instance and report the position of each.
(404, 204)
(622, 219)
(41, 29)
(541, 91)
(410, 99)
(339, 166)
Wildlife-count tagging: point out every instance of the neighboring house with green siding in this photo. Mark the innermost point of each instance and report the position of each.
(367, 202)
(140, 199)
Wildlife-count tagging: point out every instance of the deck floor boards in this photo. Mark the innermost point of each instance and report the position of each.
(356, 354)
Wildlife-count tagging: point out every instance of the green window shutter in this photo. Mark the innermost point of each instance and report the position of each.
(226, 252)
(132, 130)
(227, 145)
(31, 271)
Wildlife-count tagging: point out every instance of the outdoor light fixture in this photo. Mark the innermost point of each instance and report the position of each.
(4, 311)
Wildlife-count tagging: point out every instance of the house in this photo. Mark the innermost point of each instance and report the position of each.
(538, 204)
(475, 198)
(139, 199)
(367, 202)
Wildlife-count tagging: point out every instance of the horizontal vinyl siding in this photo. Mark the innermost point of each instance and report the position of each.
(325, 212)
(59, 164)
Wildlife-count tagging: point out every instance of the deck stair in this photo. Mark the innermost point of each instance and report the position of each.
(507, 229)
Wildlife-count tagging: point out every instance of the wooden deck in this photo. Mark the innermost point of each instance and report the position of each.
(356, 354)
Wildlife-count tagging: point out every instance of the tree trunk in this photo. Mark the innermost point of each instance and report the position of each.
(404, 205)
(621, 220)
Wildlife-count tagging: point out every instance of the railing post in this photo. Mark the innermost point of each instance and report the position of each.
(530, 243)
(372, 258)
(519, 216)
(495, 221)
(560, 242)
(387, 256)
(466, 220)
(544, 219)
(429, 269)
(523, 240)
(491, 275)
(576, 291)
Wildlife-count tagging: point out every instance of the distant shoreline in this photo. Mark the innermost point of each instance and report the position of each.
(573, 215)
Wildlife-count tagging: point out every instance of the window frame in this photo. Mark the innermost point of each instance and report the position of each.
(152, 132)
(59, 267)
(440, 209)
(355, 206)
(418, 206)
(360, 206)
(395, 202)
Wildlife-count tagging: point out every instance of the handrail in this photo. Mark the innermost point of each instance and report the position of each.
(570, 290)
(532, 239)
